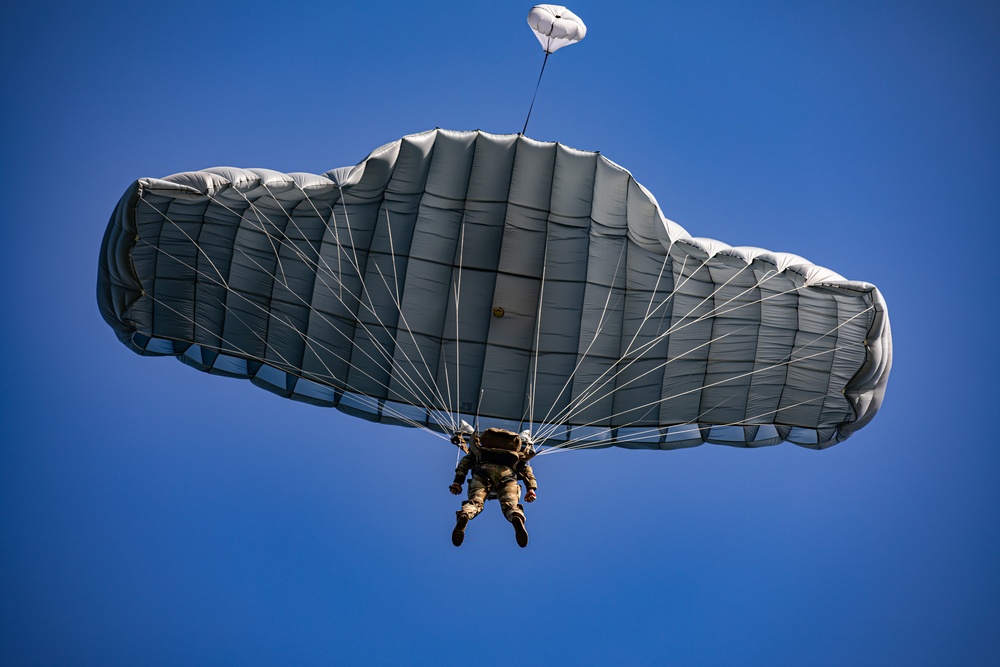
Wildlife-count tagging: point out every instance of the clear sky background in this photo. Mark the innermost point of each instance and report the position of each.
(153, 515)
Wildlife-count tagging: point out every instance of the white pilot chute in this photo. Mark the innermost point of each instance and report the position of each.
(555, 26)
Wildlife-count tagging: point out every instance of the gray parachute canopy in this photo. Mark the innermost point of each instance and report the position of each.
(451, 274)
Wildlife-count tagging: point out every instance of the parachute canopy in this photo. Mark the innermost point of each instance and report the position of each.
(452, 274)
(555, 26)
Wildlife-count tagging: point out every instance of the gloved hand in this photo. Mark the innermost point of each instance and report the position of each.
(530, 496)
(457, 439)
(455, 489)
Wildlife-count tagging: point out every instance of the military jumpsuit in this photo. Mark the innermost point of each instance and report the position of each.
(500, 477)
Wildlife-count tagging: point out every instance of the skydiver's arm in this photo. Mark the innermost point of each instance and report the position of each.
(529, 477)
(461, 470)
(463, 467)
(529, 481)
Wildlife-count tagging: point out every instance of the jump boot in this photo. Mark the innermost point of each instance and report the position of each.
(520, 533)
(458, 535)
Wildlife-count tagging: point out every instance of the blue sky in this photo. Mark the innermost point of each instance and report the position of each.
(154, 515)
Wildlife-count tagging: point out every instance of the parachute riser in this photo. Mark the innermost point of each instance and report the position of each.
(478, 406)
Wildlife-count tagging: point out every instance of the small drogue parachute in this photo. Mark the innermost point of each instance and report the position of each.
(555, 26)
(455, 276)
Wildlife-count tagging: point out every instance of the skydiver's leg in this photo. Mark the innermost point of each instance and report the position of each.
(509, 495)
(477, 496)
(470, 509)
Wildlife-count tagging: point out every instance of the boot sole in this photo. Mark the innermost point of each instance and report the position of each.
(458, 535)
(520, 533)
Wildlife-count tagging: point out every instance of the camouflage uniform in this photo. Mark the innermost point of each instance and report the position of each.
(495, 473)
(502, 479)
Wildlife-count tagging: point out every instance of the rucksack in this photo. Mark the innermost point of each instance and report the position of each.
(498, 445)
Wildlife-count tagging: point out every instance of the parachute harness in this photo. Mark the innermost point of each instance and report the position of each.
(496, 450)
